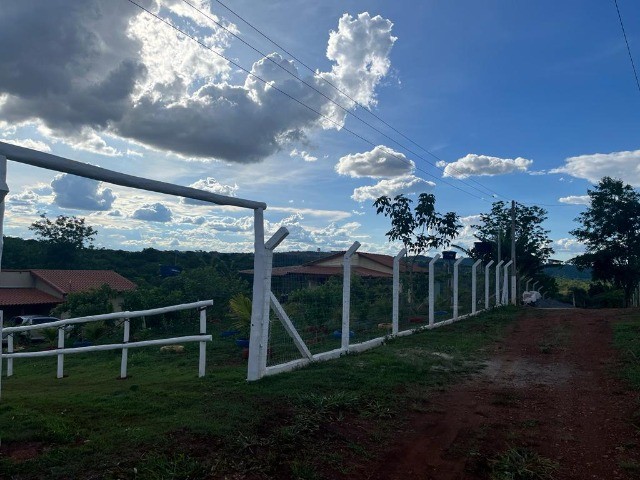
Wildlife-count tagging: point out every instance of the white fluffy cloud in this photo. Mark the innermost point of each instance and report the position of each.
(568, 245)
(155, 212)
(118, 72)
(306, 156)
(473, 165)
(381, 162)
(391, 187)
(81, 193)
(622, 165)
(212, 185)
(29, 143)
(576, 200)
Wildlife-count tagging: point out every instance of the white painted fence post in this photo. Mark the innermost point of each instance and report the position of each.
(60, 372)
(456, 279)
(269, 247)
(505, 283)
(432, 293)
(4, 189)
(395, 315)
(202, 359)
(9, 360)
(487, 283)
(498, 282)
(1, 347)
(346, 294)
(254, 371)
(125, 351)
(474, 286)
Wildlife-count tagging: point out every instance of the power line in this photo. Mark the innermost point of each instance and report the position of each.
(633, 66)
(344, 109)
(320, 114)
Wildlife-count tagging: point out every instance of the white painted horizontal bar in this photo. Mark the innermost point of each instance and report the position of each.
(287, 367)
(361, 347)
(112, 316)
(61, 164)
(331, 354)
(112, 346)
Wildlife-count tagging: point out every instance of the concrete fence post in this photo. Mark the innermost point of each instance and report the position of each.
(456, 278)
(395, 315)
(346, 295)
(498, 266)
(432, 293)
(474, 286)
(487, 284)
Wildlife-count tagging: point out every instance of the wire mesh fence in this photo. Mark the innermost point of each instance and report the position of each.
(371, 308)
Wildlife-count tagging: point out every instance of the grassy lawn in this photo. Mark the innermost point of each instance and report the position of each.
(163, 422)
(625, 339)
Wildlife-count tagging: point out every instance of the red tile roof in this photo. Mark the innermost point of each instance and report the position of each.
(67, 281)
(319, 270)
(25, 296)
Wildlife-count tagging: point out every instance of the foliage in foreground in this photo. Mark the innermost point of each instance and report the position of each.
(324, 421)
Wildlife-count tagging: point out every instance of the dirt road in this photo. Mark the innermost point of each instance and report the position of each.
(551, 388)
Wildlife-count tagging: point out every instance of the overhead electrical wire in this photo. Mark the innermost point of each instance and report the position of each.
(341, 91)
(624, 34)
(347, 111)
(320, 114)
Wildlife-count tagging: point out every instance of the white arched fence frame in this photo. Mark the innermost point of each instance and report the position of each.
(56, 163)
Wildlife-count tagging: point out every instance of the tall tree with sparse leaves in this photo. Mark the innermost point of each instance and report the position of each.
(533, 245)
(63, 237)
(610, 230)
(421, 229)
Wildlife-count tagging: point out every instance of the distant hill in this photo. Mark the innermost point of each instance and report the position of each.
(568, 271)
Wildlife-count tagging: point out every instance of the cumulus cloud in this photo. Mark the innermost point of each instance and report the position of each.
(93, 68)
(29, 143)
(474, 165)
(306, 156)
(212, 185)
(81, 193)
(392, 187)
(568, 245)
(576, 200)
(623, 165)
(155, 212)
(381, 162)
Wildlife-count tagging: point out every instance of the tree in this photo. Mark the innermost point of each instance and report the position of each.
(64, 231)
(532, 240)
(611, 233)
(420, 230)
(63, 237)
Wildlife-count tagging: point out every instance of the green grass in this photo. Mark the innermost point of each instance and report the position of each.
(522, 464)
(164, 422)
(625, 339)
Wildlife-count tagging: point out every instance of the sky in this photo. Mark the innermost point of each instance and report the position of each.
(471, 101)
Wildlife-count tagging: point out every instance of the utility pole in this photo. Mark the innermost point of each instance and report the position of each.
(513, 253)
(499, 246)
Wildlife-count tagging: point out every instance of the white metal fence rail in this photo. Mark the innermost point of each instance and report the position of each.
(126, 317)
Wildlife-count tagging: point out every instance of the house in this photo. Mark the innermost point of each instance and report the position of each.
(25, 292)
(366, 265)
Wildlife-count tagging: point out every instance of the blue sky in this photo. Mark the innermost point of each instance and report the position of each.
(531, 101)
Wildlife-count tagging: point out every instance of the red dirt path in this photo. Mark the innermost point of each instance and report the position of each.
(550, 387)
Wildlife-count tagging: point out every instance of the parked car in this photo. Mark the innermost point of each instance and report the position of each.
(24, 320)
